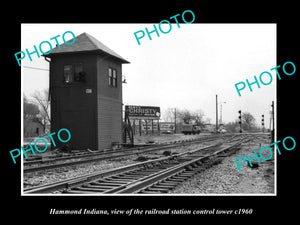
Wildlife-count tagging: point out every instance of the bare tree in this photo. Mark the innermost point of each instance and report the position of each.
(185, 116)
(248, 121)
(192, 117)
(40, 98)
(169, 115)
(31, 110)
(198, 117)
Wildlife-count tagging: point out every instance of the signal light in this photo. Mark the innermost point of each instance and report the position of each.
(240, 120)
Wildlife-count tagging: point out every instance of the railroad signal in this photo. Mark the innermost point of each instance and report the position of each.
(240, 120)
(263, 122)
(273, 124)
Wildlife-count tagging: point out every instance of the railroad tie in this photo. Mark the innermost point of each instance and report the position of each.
(78, 192)
(175, 179)
(157, 189)
(170, 183)
(184, 175)
(116, 182)
(181, 178)
(135, 177)
(123, 179)
(147, 192)
(90, 189)
(163, 185)
(104, 184)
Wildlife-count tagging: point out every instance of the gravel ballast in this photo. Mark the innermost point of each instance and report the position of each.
(220, 176)
(224, 178)
(59, 174)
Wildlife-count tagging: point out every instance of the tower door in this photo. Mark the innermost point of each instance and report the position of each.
(81, 125)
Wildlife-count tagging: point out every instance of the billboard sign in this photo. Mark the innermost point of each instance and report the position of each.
(142, 112)
(167, 126)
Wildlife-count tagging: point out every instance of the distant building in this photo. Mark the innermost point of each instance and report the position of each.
(32, 128)
(167, 127)
(86, 92)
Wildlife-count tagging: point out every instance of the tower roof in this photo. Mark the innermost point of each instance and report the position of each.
(83, 43)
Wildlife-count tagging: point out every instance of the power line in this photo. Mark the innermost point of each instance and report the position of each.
(35, 68)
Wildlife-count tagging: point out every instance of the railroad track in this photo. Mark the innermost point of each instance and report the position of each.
(86, 158)
(153, 176)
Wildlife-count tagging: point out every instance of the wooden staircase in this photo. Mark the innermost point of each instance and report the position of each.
(127, 132)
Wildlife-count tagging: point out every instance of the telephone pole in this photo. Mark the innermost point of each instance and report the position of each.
(175, 126)
(273, 118)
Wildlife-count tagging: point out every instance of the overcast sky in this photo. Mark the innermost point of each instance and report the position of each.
(185, 68)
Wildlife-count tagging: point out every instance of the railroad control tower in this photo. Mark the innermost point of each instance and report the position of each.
(86, 93)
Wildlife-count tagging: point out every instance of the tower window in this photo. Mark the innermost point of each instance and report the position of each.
(68, 74)
(112, 77)
(78, 72)
(74, 73)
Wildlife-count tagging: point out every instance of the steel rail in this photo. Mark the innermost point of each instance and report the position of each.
(164, 174)
(58, 186)
(106, 156)
(87, 154)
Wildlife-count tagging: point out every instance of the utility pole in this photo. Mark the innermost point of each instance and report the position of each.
(216, 113)
(273, 118)
(175, 121)
(221, 122)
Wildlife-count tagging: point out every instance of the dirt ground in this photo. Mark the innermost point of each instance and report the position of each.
(164, 138)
